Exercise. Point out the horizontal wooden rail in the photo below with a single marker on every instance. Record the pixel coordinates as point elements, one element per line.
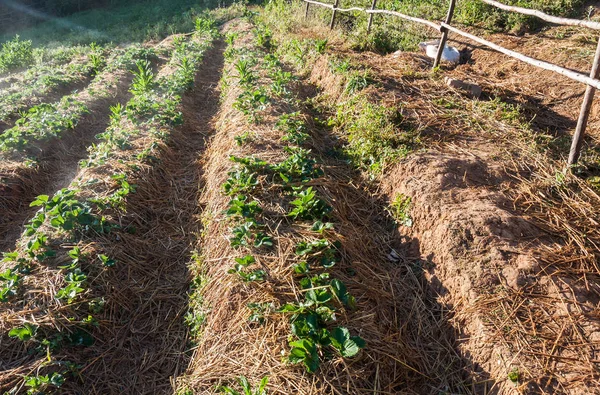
<point>432,25</point>
<point>591,81</point>
<point>534,62</point>
<point>548,18</point>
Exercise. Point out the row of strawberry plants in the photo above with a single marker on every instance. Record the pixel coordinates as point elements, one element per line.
<point>49,120</point>
<point>42,79</point>
<point>74,215</point>
<point>313,314</point>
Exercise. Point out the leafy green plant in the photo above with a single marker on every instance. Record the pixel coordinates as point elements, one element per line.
<point>42,122</point>
<point>259,311</point>
<point>65,212</point>
<point>106,261</point>
<point>358,81</point>
<point>514,375</point>
<point>239,181</point>
<point>25,332</point>
<point>96,58</point>
<point>247,388</point>
<point>263,37</point>
<point>239,207</point>
<point>15,54</point>
<point>9,281</point>
<point>400,209</point>
<point>322,251</point>
<point>308,206</point>
<point>244,70</point>
<point>243,138</point>
<point>241,266</point>
<point>247,234</point>
<point>321,227</point>
<point>321,46</point>
<point>251,163</point>
<point>38,384</point>
<point>348,346</point>
<point>298,166</point>
<point>144,78</point>
<point>204,25</point>
<point>293,127</point>
<point>251,102</point>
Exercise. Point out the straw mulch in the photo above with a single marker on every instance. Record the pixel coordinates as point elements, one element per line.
<point>512,239</point>
<point>409,349</point>
<point>140,342</point>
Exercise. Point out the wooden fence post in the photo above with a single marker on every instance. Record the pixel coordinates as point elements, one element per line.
<point>438,56</point>
<point>335,5</point>
<point>584,113</point>
<point>306,11</point>
<point>371,17</point>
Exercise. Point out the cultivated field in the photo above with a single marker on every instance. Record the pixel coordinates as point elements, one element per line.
<point>241,200</point>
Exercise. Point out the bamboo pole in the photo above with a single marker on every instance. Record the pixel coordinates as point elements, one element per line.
<point>534,62</point>
<point>442,45</point>
<point>335,5</point>
<point>584,113</point>
<point>548,18</point>
<point>371,17</point>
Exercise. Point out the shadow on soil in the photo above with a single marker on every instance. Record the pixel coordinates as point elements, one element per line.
<point>427,358</point>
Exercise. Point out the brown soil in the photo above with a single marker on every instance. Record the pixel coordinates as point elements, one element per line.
<point>522,299</point>
<point>56,165</point>
<point>409,348</point>
<point>141,343</point>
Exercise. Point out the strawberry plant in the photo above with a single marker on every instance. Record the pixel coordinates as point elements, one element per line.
<point>293,128</point>
<point>321,227</point>
<point>247,235</point>
<point>239,181</point>
<point>40,383</point>
<point>250,102</point>
<point>106,261</point>
<point>240,268</point>
<point>258,312</point>
<point>65,212</point>
<point>9,283</point>
<point>42,122</point>
<point>308,206</point>
<point>24,333</point>
<point>247,388</point>
<point>322,251</point>
<point>298,166</point>
<point>239,207</point>
<point>251,163</point>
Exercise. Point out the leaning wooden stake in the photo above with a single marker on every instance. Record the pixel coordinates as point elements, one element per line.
<point>371,17</point>
<point>335,5</point>
<point>585,111</point>
<point>306,11</point>
<point>438,55</point>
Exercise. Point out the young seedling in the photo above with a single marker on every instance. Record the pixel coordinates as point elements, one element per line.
<point>240,268</point>
<point>247,388</point>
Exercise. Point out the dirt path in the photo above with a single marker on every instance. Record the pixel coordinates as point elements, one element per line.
<point>150,285</point>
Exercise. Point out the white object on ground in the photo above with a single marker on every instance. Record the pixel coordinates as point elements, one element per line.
<point>449,54</point>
